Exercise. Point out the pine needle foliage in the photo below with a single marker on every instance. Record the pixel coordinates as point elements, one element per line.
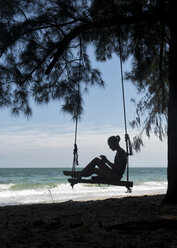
<point>43,49</point>
<point>30,33</point>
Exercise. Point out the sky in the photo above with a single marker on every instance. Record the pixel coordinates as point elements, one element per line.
<point>46,139</point>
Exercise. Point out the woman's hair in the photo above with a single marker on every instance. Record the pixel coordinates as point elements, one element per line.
<point>114,139</point>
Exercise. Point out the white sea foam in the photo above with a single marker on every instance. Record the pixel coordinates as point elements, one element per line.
<point>6,186</point>
<point>64,192</point>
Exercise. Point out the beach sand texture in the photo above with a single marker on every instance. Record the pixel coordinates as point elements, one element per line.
<point>116,222</point>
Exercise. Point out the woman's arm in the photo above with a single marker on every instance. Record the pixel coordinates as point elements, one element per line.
<point>106,161</point>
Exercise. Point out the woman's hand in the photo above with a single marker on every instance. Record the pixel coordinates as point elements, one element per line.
<point>104,158</point>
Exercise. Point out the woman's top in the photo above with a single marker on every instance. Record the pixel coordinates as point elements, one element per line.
<point>120,162</point>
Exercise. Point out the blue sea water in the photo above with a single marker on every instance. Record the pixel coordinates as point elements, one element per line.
<point>46,185</point>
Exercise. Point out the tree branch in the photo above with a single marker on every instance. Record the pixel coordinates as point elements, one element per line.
<point>113,21</point>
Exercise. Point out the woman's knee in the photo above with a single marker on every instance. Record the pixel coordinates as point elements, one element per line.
<point>96,160</point>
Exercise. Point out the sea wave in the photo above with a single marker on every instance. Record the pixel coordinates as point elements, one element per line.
<point>4,187</point>
<point>15,194</point>
<point>26,186</point>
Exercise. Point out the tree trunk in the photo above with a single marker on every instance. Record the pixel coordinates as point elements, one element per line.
<point>171,195</point>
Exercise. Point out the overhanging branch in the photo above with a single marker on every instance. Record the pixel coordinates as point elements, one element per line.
<point>114,21</point>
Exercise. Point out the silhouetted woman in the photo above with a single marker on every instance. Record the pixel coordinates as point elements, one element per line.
<point>102,166</point>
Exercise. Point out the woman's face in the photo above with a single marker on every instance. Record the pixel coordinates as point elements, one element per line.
<point>112,145</point>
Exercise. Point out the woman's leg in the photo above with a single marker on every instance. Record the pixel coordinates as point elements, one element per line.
<point>96,166</point>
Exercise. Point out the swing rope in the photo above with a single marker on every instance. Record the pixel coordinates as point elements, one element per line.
<point>76,113</point>
<point>127,138</point>
<point>75,150</point>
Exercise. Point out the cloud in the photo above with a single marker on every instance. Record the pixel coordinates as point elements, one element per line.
<point>51,144</point>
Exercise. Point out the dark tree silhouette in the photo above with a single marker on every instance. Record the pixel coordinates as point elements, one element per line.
<point>43,49</point>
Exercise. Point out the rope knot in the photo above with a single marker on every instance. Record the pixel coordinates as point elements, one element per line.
<point>75,153</point>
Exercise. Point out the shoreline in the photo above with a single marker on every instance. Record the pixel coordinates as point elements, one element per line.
<point>83,199</point>
<point>132,221</point>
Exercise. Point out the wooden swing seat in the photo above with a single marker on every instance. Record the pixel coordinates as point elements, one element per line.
<point>100,180</point>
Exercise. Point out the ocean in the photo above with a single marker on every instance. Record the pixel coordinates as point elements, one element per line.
<point>48,185</point>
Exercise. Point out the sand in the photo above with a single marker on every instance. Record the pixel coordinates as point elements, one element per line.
<point>117,222</point>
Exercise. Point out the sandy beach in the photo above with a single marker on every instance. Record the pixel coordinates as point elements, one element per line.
<point>116,222</point>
